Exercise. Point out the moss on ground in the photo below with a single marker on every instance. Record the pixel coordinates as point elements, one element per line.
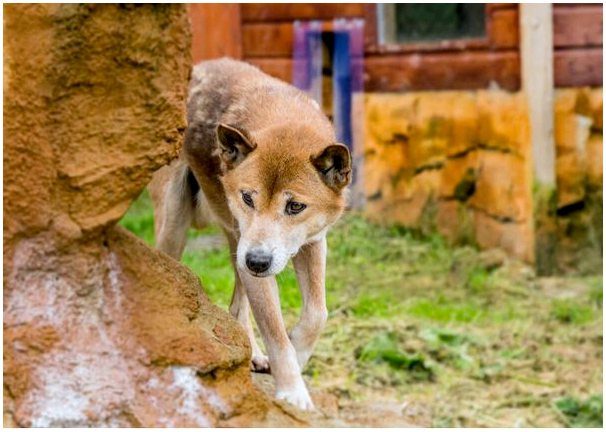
<point>457,337</point>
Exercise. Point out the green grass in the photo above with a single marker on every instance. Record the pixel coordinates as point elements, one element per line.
<point>445,311</point>
<point>572,311</point>
<point>411,317</point>
<point>385,348</point>
<point>140,218</point>
<point>582,413</point>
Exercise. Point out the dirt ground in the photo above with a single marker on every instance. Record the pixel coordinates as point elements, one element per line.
<point>424,334</point>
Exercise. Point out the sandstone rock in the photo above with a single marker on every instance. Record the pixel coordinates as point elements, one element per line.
<point>595,166</point>
<point>570,178</point>
<point>100,330</point>
<point>437,158</point>
<point>455,170</point>
<point>411,201</point>
<point>513,238</point>
<point>463,162</point>
<point>503,123</point>
<point>572,129</point>
<point>465,123</point>
<point>455,221</point>
<point>502,187</point>
<point>595,107</point>
<point>575,245</point>
<point>430,130</point>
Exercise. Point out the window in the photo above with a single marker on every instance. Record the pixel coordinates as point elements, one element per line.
<point>421,23</point>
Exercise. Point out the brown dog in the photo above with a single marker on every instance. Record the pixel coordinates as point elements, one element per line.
<point>261,160</point>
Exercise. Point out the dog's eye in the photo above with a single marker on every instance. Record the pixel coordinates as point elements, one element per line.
<point>293,207</point>
<point>247,198</point>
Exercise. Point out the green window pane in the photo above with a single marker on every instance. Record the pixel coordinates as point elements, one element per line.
<point>438,21</point>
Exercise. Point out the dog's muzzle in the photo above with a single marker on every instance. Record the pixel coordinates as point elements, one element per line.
<point>258,262</point>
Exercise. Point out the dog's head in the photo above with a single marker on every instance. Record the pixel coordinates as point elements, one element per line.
<point>285,186</point>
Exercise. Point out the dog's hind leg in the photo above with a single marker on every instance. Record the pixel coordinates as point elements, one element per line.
<point>240,310</point>
<point>174,206</point>
<point>310,266</point>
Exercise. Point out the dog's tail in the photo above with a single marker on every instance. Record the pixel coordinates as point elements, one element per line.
<point>174,190</point>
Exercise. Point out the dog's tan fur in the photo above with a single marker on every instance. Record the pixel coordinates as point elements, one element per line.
<point>252,137</point>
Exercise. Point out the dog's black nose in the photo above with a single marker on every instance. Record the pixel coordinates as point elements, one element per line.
<point>258,262</point>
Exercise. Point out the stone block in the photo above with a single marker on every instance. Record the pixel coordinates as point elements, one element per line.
<point>595,167</point>
<point>502,187</point>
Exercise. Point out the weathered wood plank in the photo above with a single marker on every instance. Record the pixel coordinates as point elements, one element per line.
<point>496,6</point>
<point>438,71</point>
<point>504,28</point>
<point>577,26</point>
<point>284,11</point>
<point>578,67</point>
<point>280,68</point>
<point>216,31</point>
<point>371,36</point>
<point>267,39</point>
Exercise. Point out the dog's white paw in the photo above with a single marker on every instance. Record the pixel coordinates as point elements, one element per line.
<point>260,363</point>
<point>298,397</point>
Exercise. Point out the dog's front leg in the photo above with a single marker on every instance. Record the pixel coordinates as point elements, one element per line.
<point>263,296</point>
<point>239,309</point>
<point>310,266</point>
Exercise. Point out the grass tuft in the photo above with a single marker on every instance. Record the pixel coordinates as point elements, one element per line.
<point>571,312</point>
<point>582,413</point>
<point>385,348</point>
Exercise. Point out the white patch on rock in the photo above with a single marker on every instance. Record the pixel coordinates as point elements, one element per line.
<point>192,404</point>
<point>114,279</point>
<point>60,403</point>
<point>193,394</point>
<point>187,386</point>
<point>85,379</point>
<point>98,384</point>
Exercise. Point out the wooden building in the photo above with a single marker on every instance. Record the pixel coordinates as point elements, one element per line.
<point>262,34</point>
<point>466,111</point>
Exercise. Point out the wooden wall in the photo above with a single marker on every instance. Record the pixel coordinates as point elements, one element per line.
<point>262,34</point>
<point>215,31</point>
<point>267,36</point>
<point>577,39</point>
<point>454,65</point>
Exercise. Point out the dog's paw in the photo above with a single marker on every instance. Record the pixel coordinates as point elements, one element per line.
<point>260,364</point>
<point>298,397</point>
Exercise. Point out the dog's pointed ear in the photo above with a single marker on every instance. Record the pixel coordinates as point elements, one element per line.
<point>234,144</point>
<point>334,166</point>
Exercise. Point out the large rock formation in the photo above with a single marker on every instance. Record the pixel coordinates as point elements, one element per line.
<point>100,330</point>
